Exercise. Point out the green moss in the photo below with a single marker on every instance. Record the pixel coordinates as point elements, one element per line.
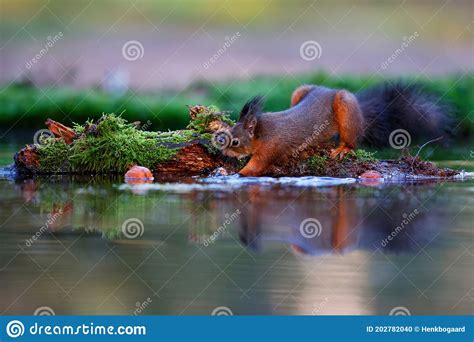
<point>364,156</point>
<point>54,154</point>
<point>205,116</point>
<point>112,146</point>
<point>174,137</point>
<point>317,164</point>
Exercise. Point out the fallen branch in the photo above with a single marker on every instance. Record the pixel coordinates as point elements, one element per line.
<point>110,145</point>
<point>61,131</point>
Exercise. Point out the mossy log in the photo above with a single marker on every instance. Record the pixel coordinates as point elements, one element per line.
<point>111,145</point>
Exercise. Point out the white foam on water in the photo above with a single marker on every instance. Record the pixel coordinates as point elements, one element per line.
<point>231,183</point>
<point>465,175</point>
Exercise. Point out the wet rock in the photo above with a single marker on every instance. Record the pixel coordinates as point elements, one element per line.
<point>371,174</point>
<point>138,175</point>
<point>371,178</point>
<point>220,171</point>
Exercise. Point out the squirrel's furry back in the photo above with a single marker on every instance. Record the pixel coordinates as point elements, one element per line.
<point>399,105</point>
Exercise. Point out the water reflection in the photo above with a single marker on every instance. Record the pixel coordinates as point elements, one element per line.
<point>262,248</point>
<point>311,221</point>
<point>339,219</point>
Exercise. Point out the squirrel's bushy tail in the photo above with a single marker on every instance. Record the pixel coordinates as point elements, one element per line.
<point>392,106</point>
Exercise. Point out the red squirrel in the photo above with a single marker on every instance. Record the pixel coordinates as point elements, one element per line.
<point>318,114</point>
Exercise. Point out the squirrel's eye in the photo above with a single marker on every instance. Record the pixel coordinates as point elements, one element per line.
<point>235,142</point>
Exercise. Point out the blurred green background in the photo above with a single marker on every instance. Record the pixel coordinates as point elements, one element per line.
<point>85,72</point>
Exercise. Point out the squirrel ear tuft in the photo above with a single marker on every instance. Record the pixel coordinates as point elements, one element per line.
<point>253,107</point>
<point>250,123</point>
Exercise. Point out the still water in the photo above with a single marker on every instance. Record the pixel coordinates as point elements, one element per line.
<point>292,246</point>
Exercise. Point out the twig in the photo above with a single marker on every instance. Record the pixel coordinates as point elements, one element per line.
<point>419,150</point>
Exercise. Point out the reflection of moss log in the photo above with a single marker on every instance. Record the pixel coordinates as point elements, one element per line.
<point>111,145</point>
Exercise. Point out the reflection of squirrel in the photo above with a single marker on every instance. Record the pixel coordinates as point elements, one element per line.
<point>317,114</point>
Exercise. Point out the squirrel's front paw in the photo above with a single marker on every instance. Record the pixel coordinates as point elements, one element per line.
<point>341,152</point>
<point>245,173</point>
<point>249,172</point>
